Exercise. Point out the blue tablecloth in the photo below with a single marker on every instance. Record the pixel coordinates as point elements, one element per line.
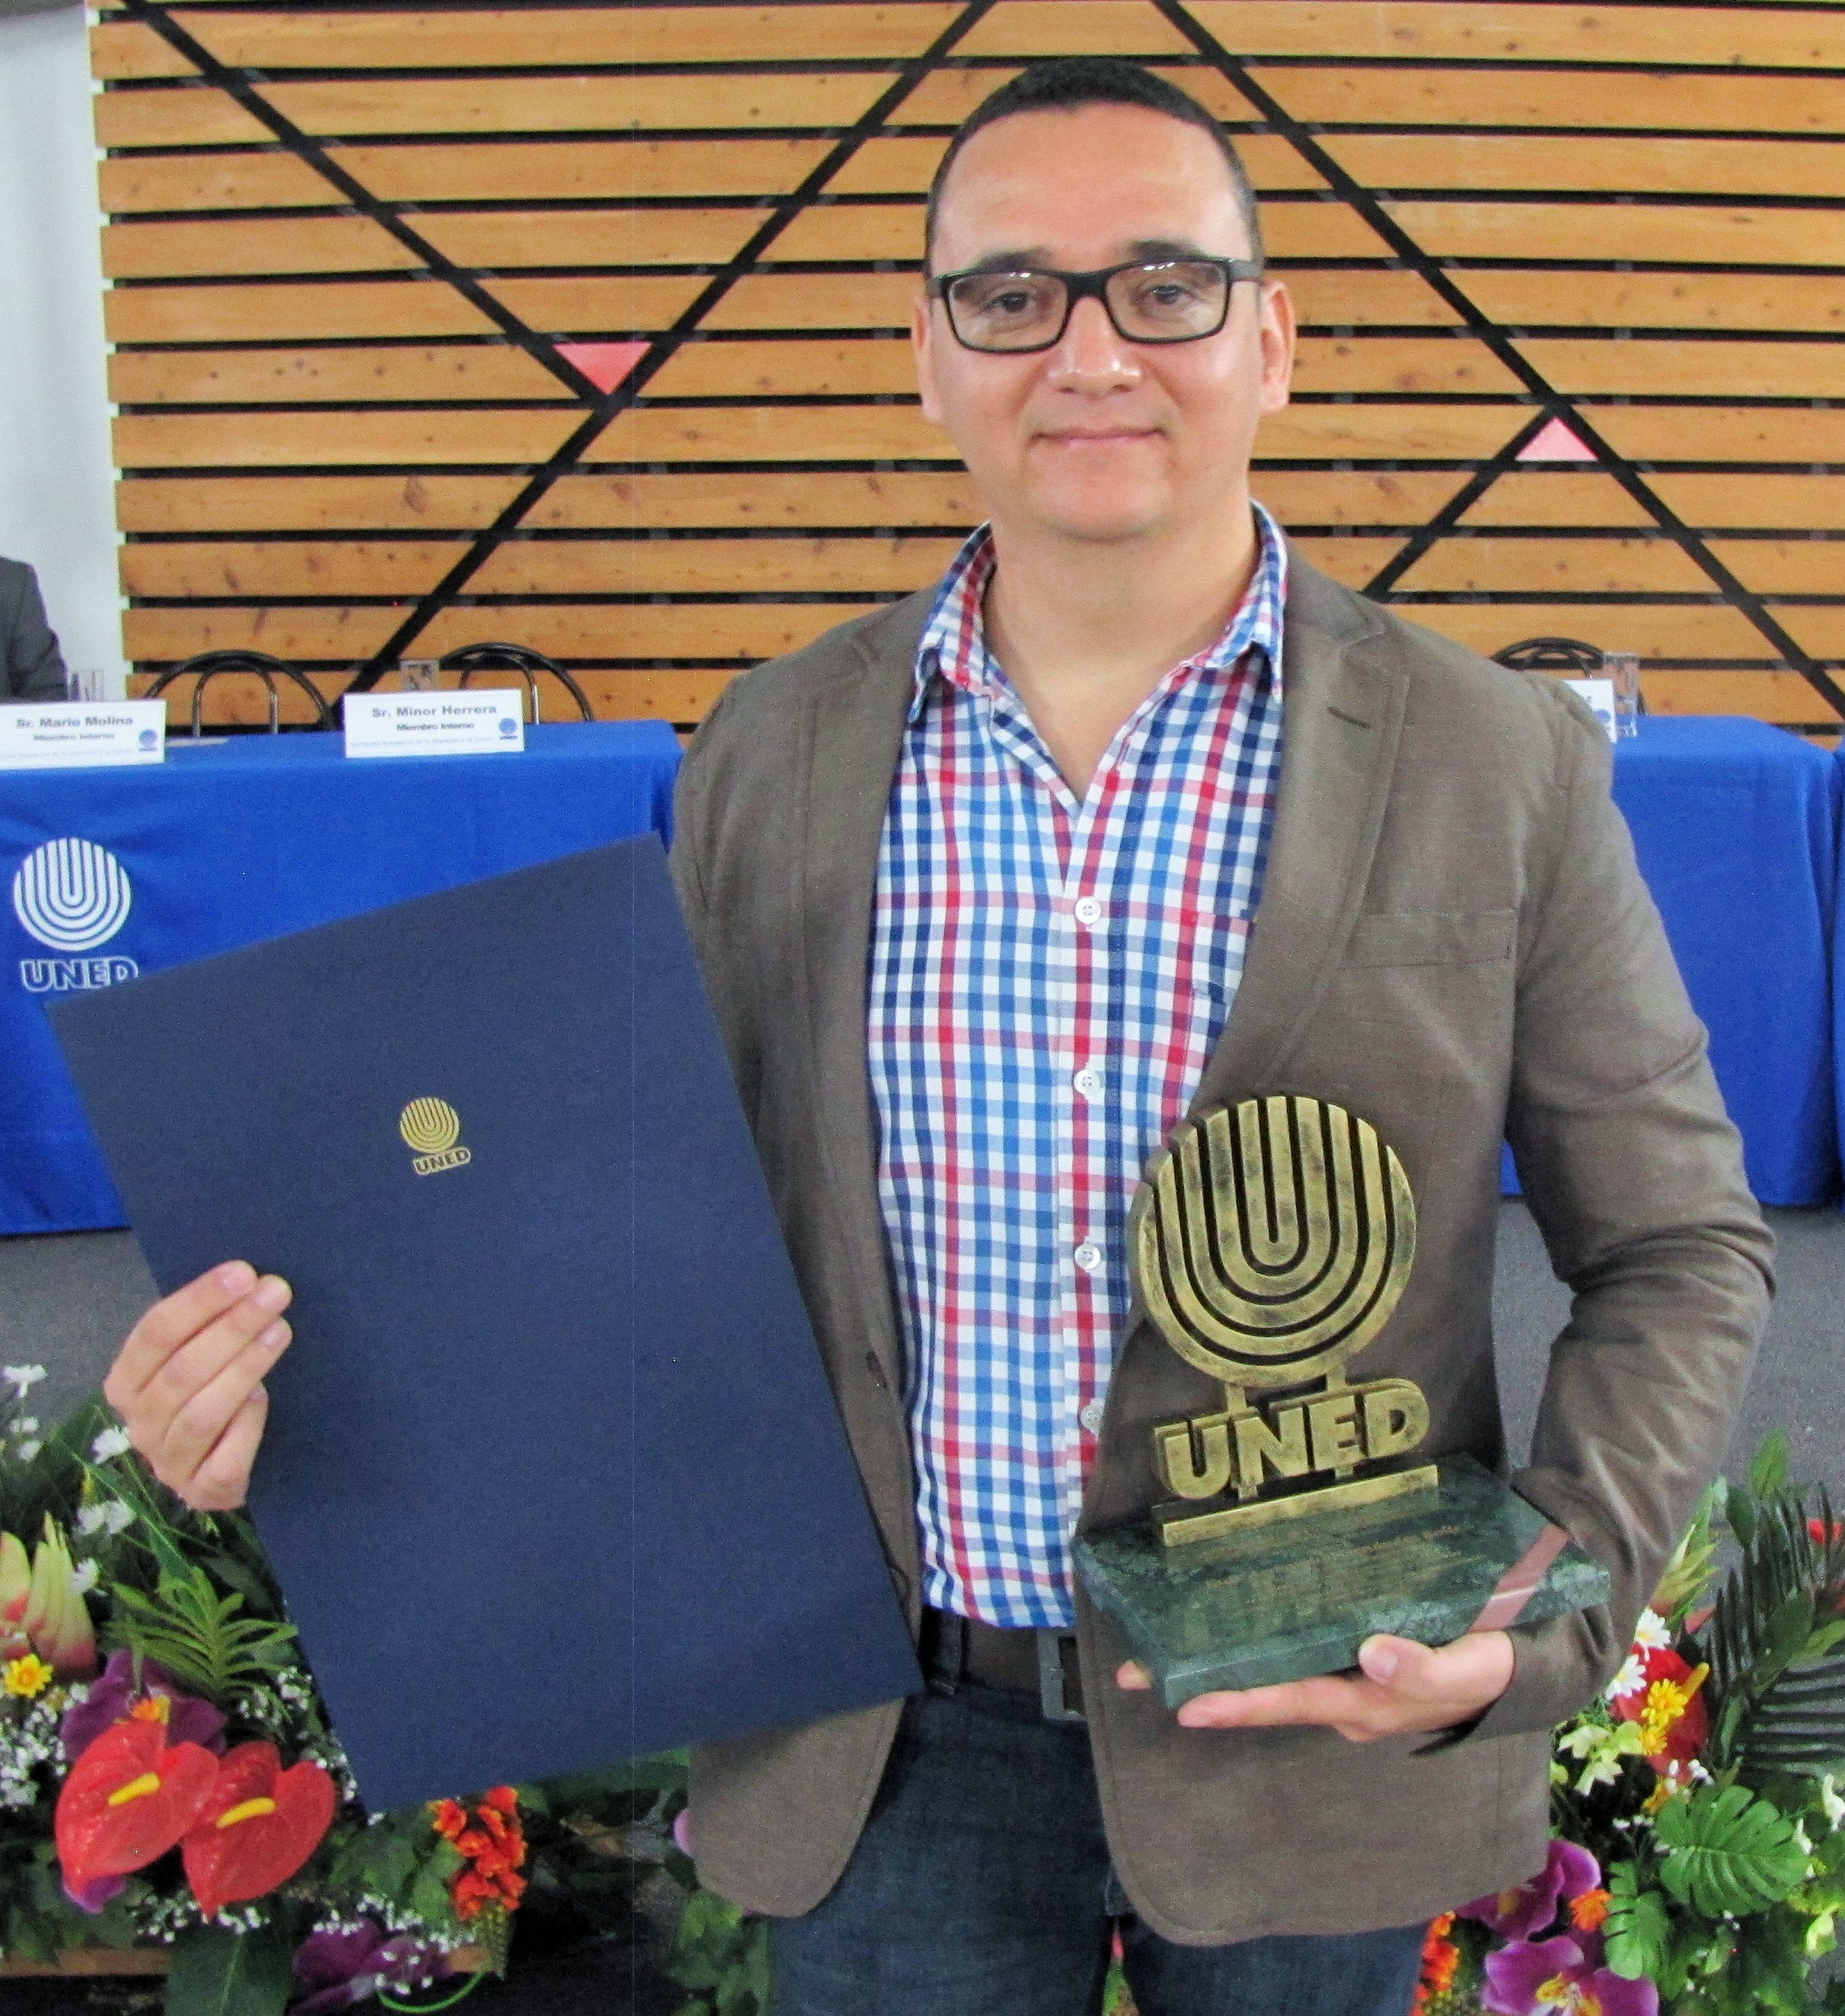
<point>116,872</point>
<point>1736,827</point>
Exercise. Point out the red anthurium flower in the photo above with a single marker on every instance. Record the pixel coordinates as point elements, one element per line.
<point>129,1798</point>
<point>258,1826</point>
<point>1674,1723</point>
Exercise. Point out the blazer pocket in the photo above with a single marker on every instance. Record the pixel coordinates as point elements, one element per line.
<point>1431,937</point>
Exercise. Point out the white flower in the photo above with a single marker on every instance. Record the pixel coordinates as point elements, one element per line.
<point>29,1450</point>
<point>1799,1833</point>
<point>22,1378</point>
<point>83,1578</point>
<point>1830,1803</point>
<point>1629,1679</point>
<point>112,1442</point>
<point>27,1424</point>
<point>111,1517</point>
<point>1650,1634</point>
<point>118,1517</point>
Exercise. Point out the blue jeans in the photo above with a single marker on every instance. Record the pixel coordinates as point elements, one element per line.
<point>982,1887</point>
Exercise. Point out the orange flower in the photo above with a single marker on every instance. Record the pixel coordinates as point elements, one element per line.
<point>1441,1959</point>
<point>1589,1912</point>
<point>493,1843</point>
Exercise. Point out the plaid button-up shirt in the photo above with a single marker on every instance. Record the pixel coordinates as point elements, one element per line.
<point>1047,978</point>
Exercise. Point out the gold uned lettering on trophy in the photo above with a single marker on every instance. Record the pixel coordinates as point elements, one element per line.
<point>1272,1243</point>
<point>1209,1454</point>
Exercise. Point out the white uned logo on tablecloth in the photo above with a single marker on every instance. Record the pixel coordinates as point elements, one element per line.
<point>72,896</point>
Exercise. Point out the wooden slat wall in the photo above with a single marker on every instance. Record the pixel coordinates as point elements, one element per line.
<point>1641,206</point>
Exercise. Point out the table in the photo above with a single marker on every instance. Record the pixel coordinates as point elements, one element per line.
<point>1736,827</point>
<point>120,871</point>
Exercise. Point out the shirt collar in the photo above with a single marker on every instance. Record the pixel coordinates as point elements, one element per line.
<point>953,645</point>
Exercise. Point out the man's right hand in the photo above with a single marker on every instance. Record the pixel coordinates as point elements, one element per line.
<point>188,1382</point>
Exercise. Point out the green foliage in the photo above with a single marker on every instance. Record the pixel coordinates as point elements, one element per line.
<point>221,1973</point>
<point>1638,1928</point>
<point>1777,1640</point>
<point>1767,1474</point>
<point>408,1866</point>
<point>1726,1851</point>
<point>197,1635</point>
<point>723,1957</point>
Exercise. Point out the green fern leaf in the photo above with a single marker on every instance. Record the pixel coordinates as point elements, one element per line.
<point>1727,1851</point>
<point>1777,1651</point>
<point>197,1635</point>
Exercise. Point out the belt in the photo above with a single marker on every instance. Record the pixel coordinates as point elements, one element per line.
<point>1025,1660</point>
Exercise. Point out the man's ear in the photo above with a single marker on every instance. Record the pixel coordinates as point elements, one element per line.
<point>922,327</point>
<point>1277,312</point>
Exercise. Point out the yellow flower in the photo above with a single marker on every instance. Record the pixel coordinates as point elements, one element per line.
<point>1667,1700</point>
<point>27,1678</point>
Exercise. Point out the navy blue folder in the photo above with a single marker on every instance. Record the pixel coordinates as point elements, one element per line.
<point>552,1475</point>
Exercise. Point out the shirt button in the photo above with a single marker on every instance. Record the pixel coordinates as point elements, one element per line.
<point>1090,1417</point>
<point>1089,1257</point>
<point>1088,1082</point>
<point>1088,911</point>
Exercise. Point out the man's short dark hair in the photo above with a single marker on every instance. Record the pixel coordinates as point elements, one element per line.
<point>1063,84</point>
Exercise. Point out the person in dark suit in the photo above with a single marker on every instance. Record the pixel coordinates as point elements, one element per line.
<point>34,667</point>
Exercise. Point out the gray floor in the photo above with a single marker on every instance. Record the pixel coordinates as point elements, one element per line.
<point>66,1303</point>
<point>1797,1385</point>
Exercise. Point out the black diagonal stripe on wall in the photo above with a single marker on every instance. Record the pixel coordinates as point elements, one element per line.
<point>1460,504</point>
<point>1482,325</point>
<point>235,83</point>
<point>609,406</point>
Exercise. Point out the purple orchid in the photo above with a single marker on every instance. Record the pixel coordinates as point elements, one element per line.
<point>1569,1872</point>
<point>112,1697</point>
<point>338,1969</point>
<point>1556,1978</point>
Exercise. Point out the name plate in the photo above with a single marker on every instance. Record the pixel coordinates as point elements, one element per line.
<point>1598,695</point>
<point>70,735</point>
<point>434,724</point>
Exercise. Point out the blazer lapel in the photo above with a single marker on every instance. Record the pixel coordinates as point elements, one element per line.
<point>855,738</point>
<point>1341,714</point>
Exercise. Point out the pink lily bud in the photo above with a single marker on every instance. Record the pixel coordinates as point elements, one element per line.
<point>57,1620</point>
<point>16,1585</point>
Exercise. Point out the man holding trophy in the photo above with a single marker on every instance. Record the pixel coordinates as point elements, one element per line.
<point>1132,952</point>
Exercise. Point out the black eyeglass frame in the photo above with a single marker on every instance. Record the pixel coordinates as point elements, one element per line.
<point>1089,286</point>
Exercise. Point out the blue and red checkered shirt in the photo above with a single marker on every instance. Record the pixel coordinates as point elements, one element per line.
<point>1047,978</point>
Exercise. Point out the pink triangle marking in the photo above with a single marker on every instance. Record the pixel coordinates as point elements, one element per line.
<point>1554,442</point>
<point>605,365</point>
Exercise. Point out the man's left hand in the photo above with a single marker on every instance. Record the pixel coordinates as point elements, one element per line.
<point>1401,1689</point>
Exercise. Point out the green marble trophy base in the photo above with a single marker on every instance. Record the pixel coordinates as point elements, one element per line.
<point>1286,1601</point>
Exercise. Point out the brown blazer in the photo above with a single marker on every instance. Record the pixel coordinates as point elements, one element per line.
<point>1453,941</point>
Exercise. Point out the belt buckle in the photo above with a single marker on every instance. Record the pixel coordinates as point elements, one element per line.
<point>1053,1678</point>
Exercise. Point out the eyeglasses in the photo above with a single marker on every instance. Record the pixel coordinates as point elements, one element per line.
<point>1159,301</point>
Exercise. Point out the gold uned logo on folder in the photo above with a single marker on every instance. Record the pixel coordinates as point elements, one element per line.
<point>431,1128</point>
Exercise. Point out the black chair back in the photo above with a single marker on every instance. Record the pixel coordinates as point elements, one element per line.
<point>472,658</point>
<point>207,666</point>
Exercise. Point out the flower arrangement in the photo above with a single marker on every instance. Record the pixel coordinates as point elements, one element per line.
<point>168,1777</point>
<point>1698,1865</point>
